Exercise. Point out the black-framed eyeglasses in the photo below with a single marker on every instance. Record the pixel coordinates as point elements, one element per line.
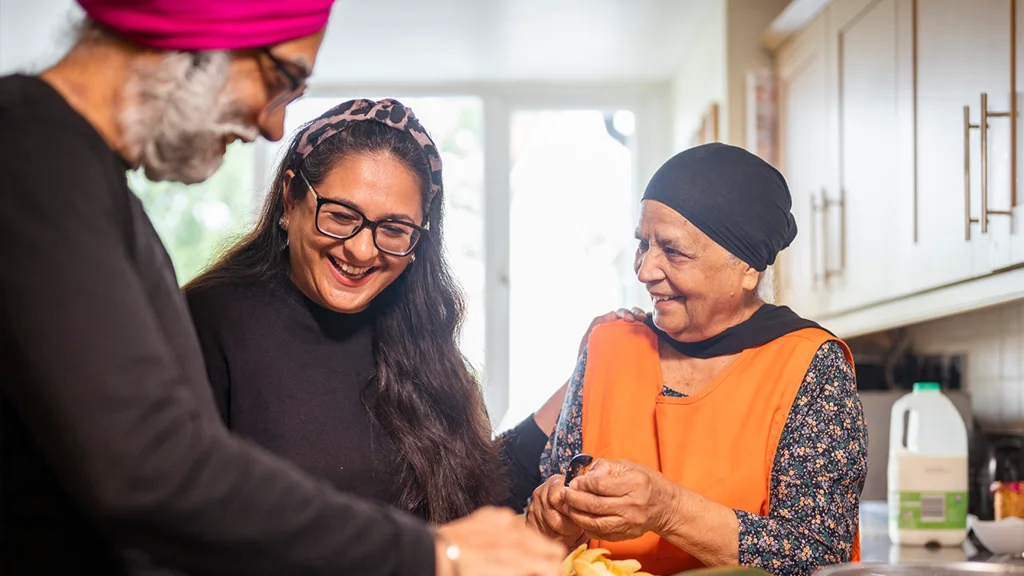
<point>296,83</point>
<point>340,220</point>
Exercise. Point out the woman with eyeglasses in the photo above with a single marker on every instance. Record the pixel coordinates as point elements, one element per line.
<point>330,330</point>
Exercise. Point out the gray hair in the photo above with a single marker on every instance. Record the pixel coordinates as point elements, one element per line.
<point>176,115</point>
<point>765,289</point>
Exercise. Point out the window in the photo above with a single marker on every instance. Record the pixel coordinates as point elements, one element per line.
<point>571,245</point>
<point>197,222</point>
<point>563,203</point>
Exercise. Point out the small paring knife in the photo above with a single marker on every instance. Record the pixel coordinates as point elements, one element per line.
<point>578,465</point>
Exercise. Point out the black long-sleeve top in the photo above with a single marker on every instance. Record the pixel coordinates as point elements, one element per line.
<point>111,439</point>
<point>296,378</point>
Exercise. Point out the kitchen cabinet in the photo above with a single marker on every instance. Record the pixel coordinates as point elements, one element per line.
<point>1017,228</point>
<point>868,242</point>
<point>963,53</point>
<point>804,134</point>
<point>903,170</point>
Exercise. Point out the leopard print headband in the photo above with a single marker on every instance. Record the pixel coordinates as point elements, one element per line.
<point>389,112</point>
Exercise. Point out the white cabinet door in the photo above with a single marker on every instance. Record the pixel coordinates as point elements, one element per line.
<point>1017,231</point>
<point>869,222</point>
<point>963,50</point>
<point>804,135</point>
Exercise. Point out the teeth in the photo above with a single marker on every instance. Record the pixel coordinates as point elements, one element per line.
<point>662,298</point>
<point>351,270</point>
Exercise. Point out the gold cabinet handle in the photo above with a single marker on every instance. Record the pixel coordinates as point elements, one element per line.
<point>826,204</point>
<point>983,127</point>
<point>967,173</point>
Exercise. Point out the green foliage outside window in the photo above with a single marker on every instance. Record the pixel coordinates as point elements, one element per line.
<point>197,222</point>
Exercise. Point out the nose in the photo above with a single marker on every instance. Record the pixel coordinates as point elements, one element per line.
<point>647,270</point>
<point>360,248</point>
<point>271,124</point>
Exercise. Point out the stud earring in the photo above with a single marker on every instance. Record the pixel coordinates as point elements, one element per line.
<point>283,222</point>
<point>412,259</point>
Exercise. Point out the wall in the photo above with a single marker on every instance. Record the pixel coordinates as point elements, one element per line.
<point>992,341</point>
<point>714,68</point>
<point>700,79</point>
<point>23,48</point>
<point>746,20</point>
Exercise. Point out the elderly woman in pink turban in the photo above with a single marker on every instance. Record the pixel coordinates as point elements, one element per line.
<point>114,458</point>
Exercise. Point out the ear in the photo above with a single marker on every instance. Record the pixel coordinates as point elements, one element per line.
<point>750,278</point>
<point>286,188</point>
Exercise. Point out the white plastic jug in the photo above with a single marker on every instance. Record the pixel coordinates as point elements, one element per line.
<point>928,470</point>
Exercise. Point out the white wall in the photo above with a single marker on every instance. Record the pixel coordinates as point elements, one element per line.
<point>34,34</point>
<point>992,341</point>
<point>700,77</point>
<point>714,68</point>
<point>745,21</point>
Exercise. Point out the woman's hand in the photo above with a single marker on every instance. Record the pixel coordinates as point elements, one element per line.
<point>495,542</point>
<point>632,315</point>
<point>619,500</point>
<point>548,513</point>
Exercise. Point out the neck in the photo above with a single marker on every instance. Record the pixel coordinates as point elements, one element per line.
<point>91,78</point>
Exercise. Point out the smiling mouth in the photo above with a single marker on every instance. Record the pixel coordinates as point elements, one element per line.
<point>658,299</point>
<point>353,272</point>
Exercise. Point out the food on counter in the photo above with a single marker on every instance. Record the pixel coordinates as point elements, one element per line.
<point>593,562</point>
<point>1009,499</point>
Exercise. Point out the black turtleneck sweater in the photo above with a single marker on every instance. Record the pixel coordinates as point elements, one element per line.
<point>294,377</point>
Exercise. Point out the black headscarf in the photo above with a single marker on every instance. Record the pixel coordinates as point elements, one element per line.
<point>737,199</point>
<point>743,204</point>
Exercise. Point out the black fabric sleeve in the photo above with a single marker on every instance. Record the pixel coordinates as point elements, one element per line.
<point>203,312</point>
<point>107,406</point>
<point>521,448</point>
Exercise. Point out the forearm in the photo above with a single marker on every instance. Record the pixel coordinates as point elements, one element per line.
<point>547,415</point>
<point>520,449</point>
<point>703,528</point>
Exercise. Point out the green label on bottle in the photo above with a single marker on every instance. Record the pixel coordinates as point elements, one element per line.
<point>932,510</point>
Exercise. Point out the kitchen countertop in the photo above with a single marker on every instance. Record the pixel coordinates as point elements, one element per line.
<point>877,548</point>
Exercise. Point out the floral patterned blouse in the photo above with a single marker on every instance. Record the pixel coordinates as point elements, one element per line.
<point>817,477</point>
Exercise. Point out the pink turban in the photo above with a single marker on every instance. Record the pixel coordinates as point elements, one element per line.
<point>189,25</point>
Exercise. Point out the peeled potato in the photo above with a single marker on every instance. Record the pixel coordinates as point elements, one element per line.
<point>567,563</point>
<point>594,562</point>
<point>627,566</point>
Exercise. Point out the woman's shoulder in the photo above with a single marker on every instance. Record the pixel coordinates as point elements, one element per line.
<point>229,302</point>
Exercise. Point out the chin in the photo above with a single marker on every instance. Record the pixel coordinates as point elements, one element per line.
<point>671,322</point>
<point>197,169</point>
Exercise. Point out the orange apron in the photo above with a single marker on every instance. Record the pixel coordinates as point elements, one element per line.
<point>719,442</point>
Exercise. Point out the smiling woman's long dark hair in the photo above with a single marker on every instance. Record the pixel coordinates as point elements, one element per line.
<point>427,399</point>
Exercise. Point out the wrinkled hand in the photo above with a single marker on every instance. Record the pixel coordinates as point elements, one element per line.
<point>632,315</point>
<point>619,500</point>
<point>548,513</point>
<point>495,542</point>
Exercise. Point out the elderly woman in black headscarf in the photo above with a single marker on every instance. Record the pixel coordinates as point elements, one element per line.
<point>725,430</point>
